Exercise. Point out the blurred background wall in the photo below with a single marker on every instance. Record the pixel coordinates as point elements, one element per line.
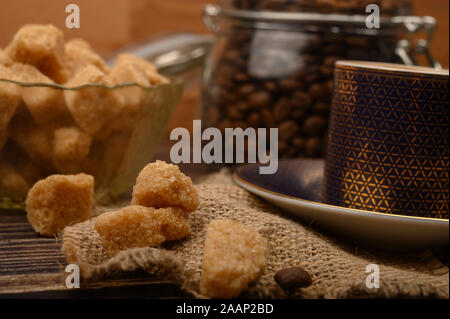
<point>110,24</point>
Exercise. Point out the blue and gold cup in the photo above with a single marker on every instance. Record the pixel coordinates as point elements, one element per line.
<point>388,148</point>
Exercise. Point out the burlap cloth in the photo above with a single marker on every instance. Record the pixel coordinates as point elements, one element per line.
<point>337,269</point>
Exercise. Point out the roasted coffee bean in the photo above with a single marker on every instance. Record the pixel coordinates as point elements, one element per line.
<point>270,86</point>
<point>357,54</point>
<point>268,118</point>
<point>241,124</point>
<point>299,143</point>
<point>288,129</point>
<point>254,120</point>
<point>282,147</point>
<point>289,85</point>
<point>293,278</point>
<point>246,89</point>
<point>313,147</point>
<point>334,49</point>
<point>233,112</point>
<point>322,108</point>
<point>242,107</point>
<point>260,99</point>
<point>311,78</point>
<point>282,110</point>
<point>315,125</point>
<point>224,75</point>
<point>319,91</point>
<point>299,114</point>
<point>330,61</point>
<point>326,70</point>
<point>226,123</point>
<point>301,100</point>
<point>241,77</point>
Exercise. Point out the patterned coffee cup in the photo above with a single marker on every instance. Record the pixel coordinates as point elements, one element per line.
<point>388,148</point>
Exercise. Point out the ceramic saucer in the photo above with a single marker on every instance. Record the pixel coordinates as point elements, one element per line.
<point>296,188</point>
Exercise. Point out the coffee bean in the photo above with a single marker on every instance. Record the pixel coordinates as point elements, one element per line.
<point>241,77</point>
<point>254,120</point>
<point>301,99</point>
<point>282,147</point>
<point>288,129</point>
<point>318,91</point>
<point>271,86</point>
<point>226,123</point>
<point>246,89</point>
<point>242,107</point>
<point>315,125</point>
<point>260,99</point>
<point>267,118</point>
<point>240,124</point>
<point>313,147</point>
<point>322,108</point>
<point>282,110</point>
<point>224,75</point>
<point>234,113</point>
<point>326,70</point>
<point>312,78</point>
<point>299,143</point>
<point>293,278</point>
<point>289,85</point>
<point>330,61</point>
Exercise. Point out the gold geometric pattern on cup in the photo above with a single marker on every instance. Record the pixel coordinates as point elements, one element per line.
<point>382,158</point>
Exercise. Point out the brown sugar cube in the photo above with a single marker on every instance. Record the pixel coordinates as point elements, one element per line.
<point>44,103</point>
<point>144,66</point>
<point>11,181</point>
<point>141,64</point>
<point>174,223</point>
<point>233,257</point>
<point>34,140</point>
<point>156,78</point>
<point>139,226</point>
<point>4,58</point>
<point>79,55</point>
<point>79,42</point>
<point>58,201</point>
<point>3,137</point>
<point>41,46</point>
<point>9,101</point>
<point>132,95</point>
<point>70,147</point>
<point>21,162</point>
<point>94,163</point>
<point>92,108</point>
<point>161,185</point>
<point>114,148</point>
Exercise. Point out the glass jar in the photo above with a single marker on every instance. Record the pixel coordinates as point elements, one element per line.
<point>275,69</point>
